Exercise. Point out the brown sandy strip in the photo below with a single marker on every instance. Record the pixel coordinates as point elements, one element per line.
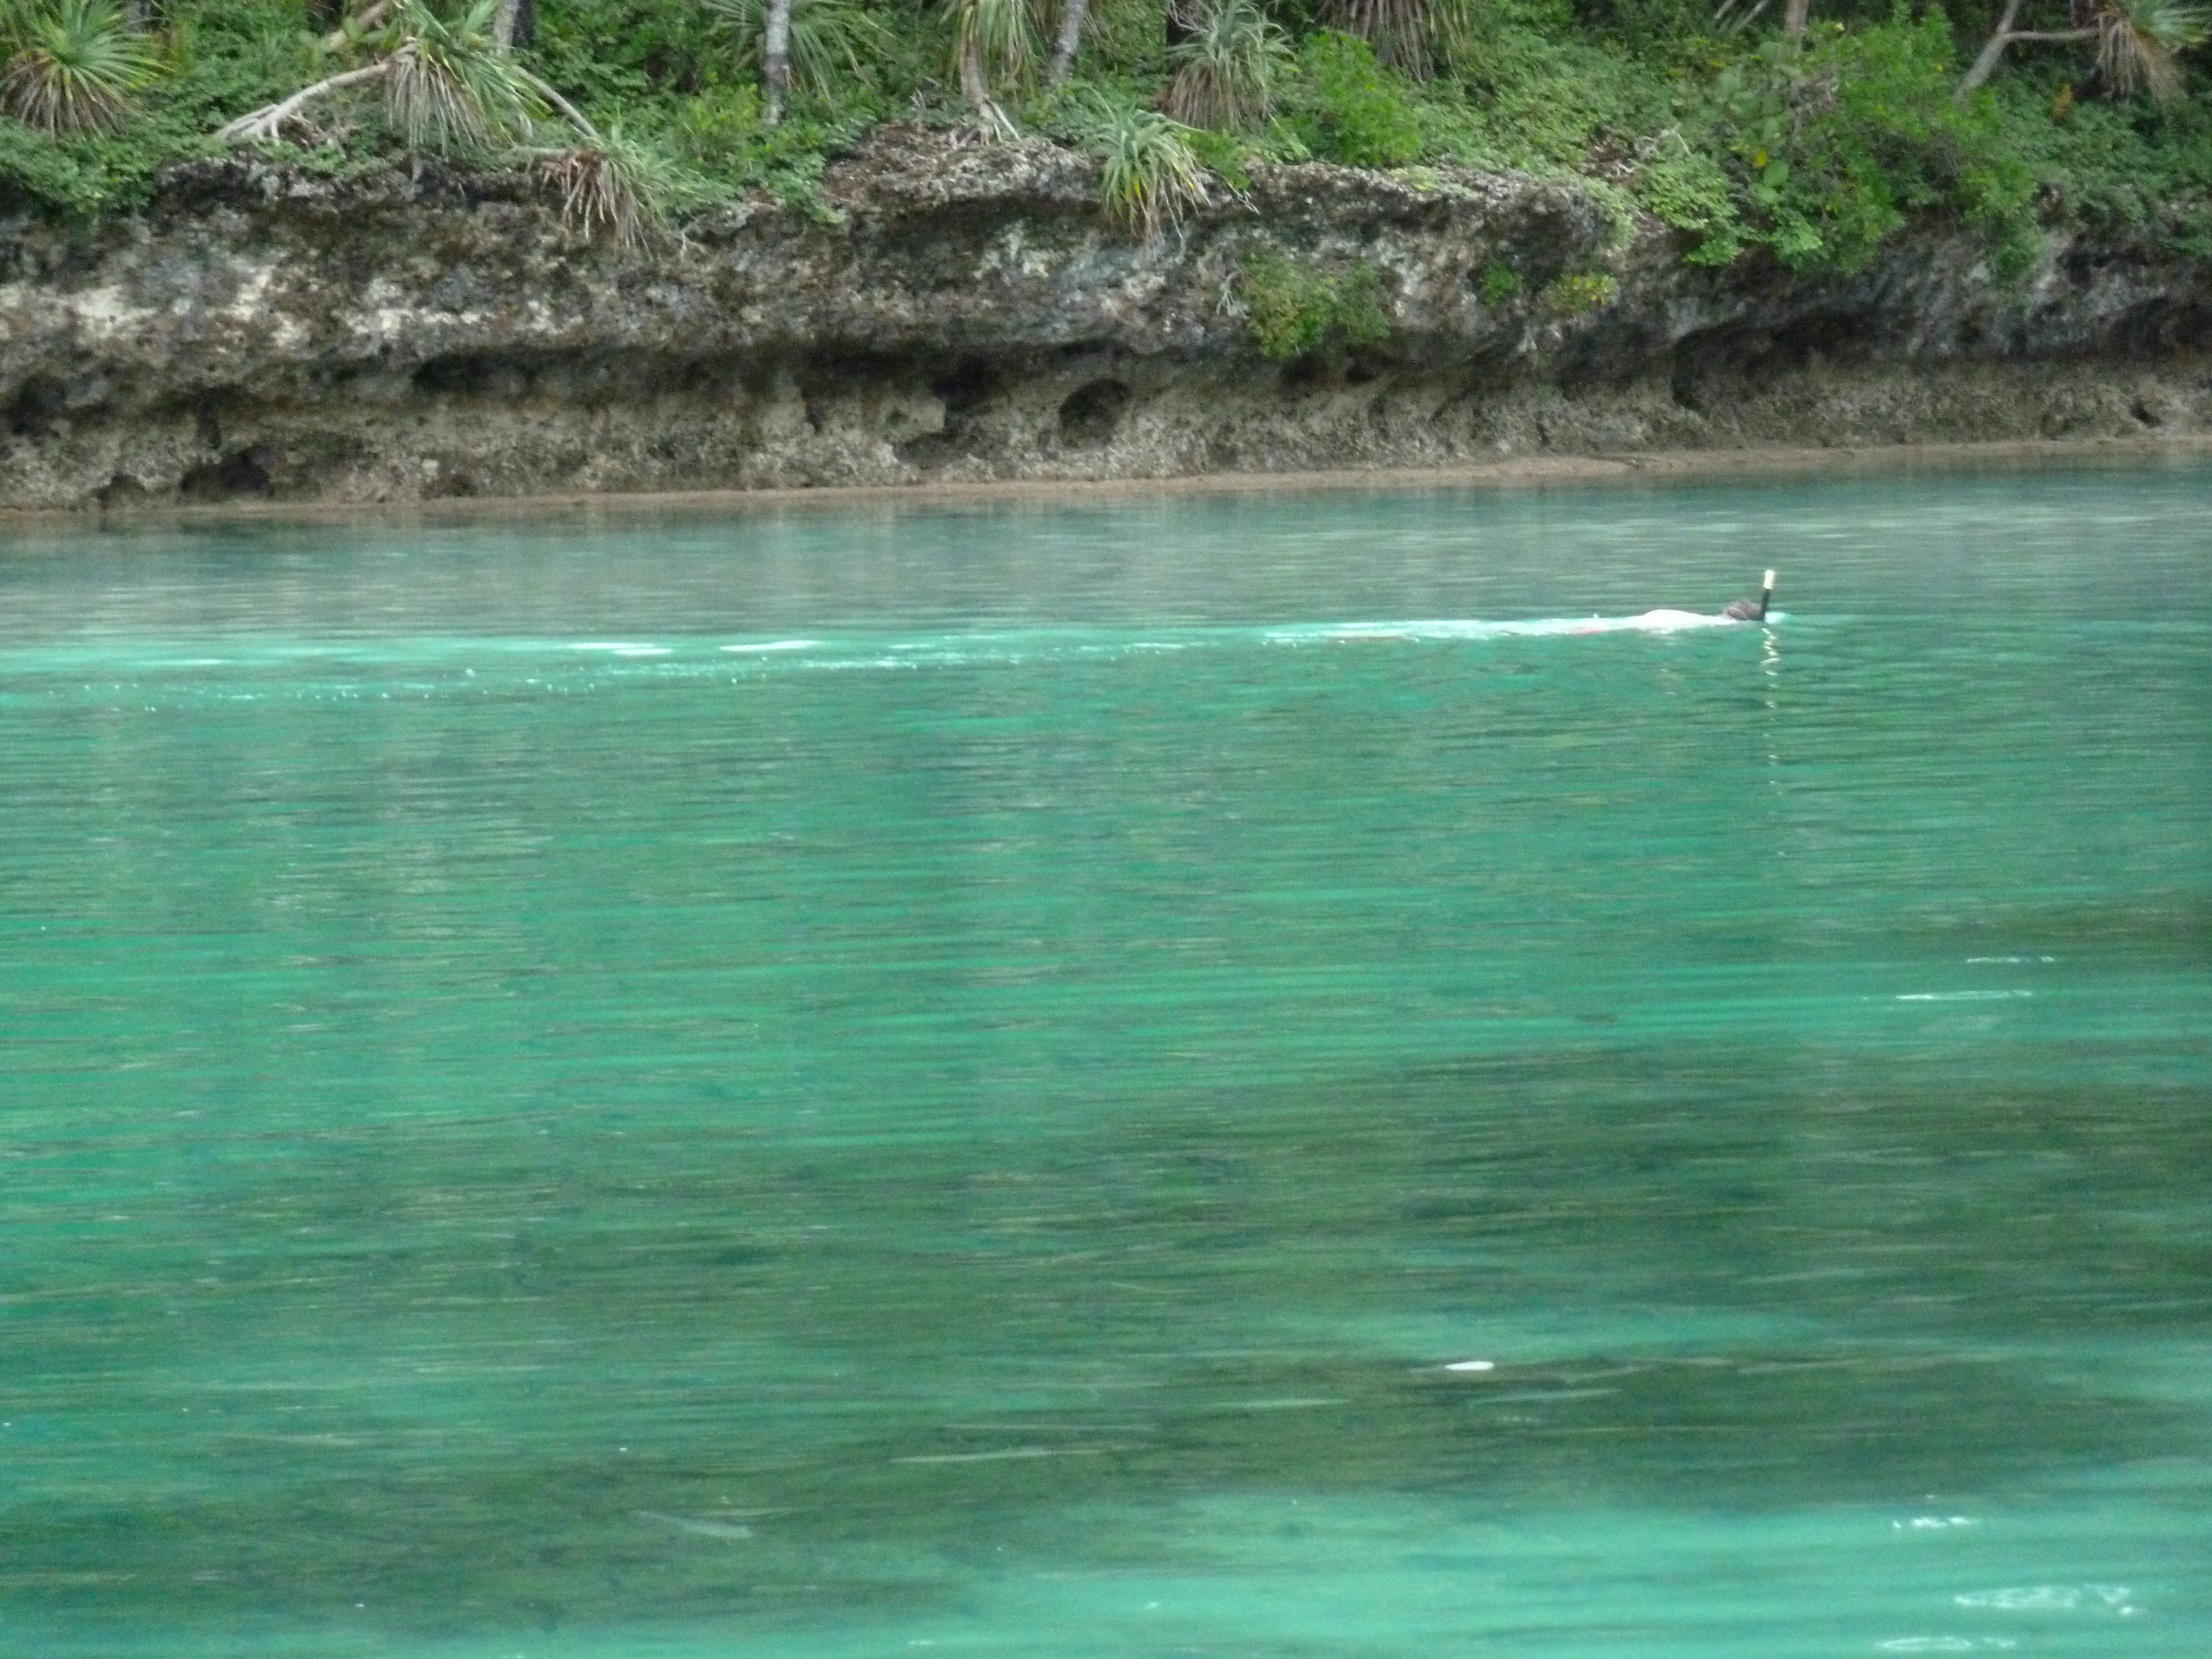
<point>1530,472</point>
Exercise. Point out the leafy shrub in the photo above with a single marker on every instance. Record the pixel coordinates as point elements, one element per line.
<point>1692,192</point>
<point>605,53</point>
<point>719,131</point>
<point>717,143</point>
<point>1347,108</point>
<point>1578,292</point>
<point>1832,148</point>
<point>1497,283</point>
<point>1295,310</point>
<point>1541,99</point>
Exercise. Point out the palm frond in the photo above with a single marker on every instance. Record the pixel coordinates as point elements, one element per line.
<point>2138,42</point>
<point>76,66</point>
<point>1150,178</point>
<point>999,36</point>
<point>449,86</point>
<point>611,186</point>
<point>1226,68</point>
<point>831,40</point>
<point>1418,37</point>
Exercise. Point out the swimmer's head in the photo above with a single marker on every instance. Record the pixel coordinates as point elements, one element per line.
<point>1752,610</point>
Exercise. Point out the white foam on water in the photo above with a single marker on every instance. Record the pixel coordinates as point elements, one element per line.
<point>1012,1453</point>
<point>1648,621</point>
<point>2051,1598</point>
<point>698,1527</point>
<point>771,644</point>
<point>1962,996</point>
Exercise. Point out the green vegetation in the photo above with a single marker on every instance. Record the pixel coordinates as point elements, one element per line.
<point>1226,73</point>
<point>1149,177</point>
<point>1577,292</point>
<point>1297,310</point>
<point>1497,283</point>
<point>74,67</point>
<point>1810,139</point>
<point>1348,109</point>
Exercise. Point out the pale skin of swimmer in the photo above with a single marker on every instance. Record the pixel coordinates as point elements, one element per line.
<point>1734,610</point>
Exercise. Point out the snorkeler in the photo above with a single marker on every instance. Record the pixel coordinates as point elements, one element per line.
<point>1752,610</point>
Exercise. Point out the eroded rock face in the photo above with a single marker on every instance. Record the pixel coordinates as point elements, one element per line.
<point>260,332</point>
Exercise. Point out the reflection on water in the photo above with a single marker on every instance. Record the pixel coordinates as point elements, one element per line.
<point>1017,1082</point>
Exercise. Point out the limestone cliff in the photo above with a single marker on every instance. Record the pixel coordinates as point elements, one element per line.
<point>964,312</point>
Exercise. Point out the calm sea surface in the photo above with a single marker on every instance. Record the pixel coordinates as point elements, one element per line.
<point>1126,1081</point>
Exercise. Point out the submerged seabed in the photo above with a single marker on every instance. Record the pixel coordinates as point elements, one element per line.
<point>980,1080</point>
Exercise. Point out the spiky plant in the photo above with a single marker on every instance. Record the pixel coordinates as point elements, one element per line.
<point>609,186</point>
<point>2137,41</point>
<point>447,85</point>
<point>74,65</point>
<point>994,45</point>
<point>1227,67</point>
<point>1150,178</point>
<point>830,39</point>
<point>1417,36</point>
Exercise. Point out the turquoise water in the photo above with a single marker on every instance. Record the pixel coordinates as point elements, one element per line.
<point>956,1080</point>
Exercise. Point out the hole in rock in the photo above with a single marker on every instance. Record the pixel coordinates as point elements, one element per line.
<point>31,412</point>
<point>968,387</point>
<point>245,472</point>
<point>471,375</point>
<point>122,490</point>
<point>1090,414</point>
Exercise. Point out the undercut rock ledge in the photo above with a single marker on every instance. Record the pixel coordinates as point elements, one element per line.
<point>965,314</point>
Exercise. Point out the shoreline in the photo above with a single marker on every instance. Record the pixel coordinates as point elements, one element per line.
<point>1529,471</point>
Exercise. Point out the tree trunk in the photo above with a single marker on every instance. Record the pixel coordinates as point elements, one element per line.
<point>975,87</point>
<point>1072,16</point>
<point>502,25</point>
<point>775,57</point>
<point>1986,64</point>
<point>268,122</point>
<point>1795,16</point>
